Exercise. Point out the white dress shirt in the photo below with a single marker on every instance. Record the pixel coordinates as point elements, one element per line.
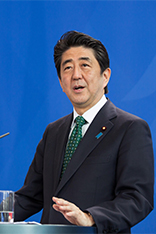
<point>89,115</point>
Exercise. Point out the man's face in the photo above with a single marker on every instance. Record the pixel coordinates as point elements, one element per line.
<point>81,78</point>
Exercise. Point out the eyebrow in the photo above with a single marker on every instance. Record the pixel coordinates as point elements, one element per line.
<point>66,61</point>
<point>81,58</point>
<point>85,58</point>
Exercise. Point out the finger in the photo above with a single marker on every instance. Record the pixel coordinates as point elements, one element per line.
<point>62,208</point>
<point>56,207</point>
<point>60,201</point>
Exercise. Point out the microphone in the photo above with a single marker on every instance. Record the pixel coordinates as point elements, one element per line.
<point>6,134</point>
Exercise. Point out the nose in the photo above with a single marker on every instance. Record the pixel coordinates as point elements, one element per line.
<point>77,74</point>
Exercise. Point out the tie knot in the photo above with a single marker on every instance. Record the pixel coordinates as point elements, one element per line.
<point>80,121</point>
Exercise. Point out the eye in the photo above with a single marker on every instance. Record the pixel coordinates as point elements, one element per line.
<point>85,65</point>
<point>67,68</point>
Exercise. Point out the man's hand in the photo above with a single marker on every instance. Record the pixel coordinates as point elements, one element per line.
<point>72,213</point>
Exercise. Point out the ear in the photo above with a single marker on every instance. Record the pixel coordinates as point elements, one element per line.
<point>106,75</point>
<point>61,84</point>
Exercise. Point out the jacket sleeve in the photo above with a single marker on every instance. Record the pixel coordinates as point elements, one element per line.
<point>29,199</point>
<point>133,199</point>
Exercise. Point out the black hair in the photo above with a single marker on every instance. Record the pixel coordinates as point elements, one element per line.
<point>74,39</point>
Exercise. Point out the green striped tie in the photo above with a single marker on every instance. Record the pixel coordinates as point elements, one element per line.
<point>73,142</point>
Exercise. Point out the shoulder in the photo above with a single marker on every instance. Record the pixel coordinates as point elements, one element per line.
<point>130,119</point>
<point>53,128</point>
<point>59,122</point>
<point>125,120</point>
<point>123,115</point>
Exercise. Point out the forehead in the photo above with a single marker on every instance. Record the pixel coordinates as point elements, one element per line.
<point>78,52</point>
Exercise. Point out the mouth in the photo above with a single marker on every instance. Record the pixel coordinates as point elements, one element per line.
<point>78,87</point>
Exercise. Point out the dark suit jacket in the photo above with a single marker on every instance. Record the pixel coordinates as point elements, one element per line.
<point>110,176</point>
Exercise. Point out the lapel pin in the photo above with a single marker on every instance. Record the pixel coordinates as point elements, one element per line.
<point>104,128</point>
<point>100,133</point>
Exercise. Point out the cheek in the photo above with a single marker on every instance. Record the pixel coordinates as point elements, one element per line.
<point>89,79</point>
<point>97,85</point>
<point>93,80</point>
<point>65,85</point>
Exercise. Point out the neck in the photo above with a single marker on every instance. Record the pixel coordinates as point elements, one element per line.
<point>81,110</point>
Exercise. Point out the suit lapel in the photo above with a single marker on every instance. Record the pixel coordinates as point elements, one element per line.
<point>90,141</point>
<point>61,140</point>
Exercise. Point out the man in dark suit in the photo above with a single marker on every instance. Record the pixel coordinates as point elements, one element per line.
<point>108,182</point>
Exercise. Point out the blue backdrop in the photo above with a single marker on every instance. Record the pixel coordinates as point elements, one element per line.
<point>30,95</point>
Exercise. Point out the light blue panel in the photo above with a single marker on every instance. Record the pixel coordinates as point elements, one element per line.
<point>30,95</point>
